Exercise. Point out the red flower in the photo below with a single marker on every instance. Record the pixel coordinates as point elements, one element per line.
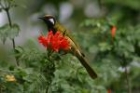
<point>55,42</point>
<point>109,91</point>
<point>113,31</point>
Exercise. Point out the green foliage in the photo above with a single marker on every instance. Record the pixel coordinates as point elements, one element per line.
<point>7,32</point>
<point>120,51</point>
<point>132,4</point>
<point>4,32</point>
<point>14,31</point>
<point>41,71</point>
<point>7,4</point>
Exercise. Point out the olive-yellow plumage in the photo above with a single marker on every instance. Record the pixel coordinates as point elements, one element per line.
<point>54,26</point>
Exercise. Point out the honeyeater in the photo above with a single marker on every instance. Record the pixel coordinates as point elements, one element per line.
<point>54,26</point>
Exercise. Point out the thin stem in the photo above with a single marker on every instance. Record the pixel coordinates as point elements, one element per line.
<point>124,64</point>
<point>13,40</point>
<point>100,4</point>
<point>127,80</point>
<point>49,72</point>
<point>0,89</point>
<point>8,16</point>
<point>2,7</point>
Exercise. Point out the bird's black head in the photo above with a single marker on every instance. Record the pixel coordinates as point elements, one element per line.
<point>49,20</point>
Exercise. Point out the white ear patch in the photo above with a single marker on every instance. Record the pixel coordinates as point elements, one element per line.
<point>51,20</point>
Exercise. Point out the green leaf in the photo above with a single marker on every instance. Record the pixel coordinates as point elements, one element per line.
<point>4,31</point>
<point>14,31</point>
<point>104,46</point>
<point>8,32</point>
<point>93,49</point>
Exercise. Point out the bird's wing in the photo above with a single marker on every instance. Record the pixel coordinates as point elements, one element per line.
<point>69,37</point>
<point>75,50</point>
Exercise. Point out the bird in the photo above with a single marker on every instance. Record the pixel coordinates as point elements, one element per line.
<point>54,26</point>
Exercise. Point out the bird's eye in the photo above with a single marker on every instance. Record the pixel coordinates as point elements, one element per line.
<point>51,20</point>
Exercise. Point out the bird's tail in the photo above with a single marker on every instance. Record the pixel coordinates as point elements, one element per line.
<point>90,71</point>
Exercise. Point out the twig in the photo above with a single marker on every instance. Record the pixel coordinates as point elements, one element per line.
<point>6,8</point>
<point>127,80</point>
<point>10,24</point>
<point>124,64</point>
<point>0,88</point>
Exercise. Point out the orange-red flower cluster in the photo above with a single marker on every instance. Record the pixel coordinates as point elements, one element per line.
<point>113,31</point>
<point>109,91</point>
<point>55,42</point>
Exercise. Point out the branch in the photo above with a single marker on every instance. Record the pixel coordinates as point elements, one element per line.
<point>127,80</point>
<point>10,23</point>
<point>126,74</point>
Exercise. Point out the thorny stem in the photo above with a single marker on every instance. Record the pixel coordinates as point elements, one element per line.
<point>13,40</point>
<point>124,64</point>
<point>100,4</point>
<point>127,80</point>
<point>49,71</point>
<point>0,89</point>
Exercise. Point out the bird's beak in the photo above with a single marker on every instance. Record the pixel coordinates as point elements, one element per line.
<point>42,18</point>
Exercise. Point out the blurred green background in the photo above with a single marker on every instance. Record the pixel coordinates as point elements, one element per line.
<point>115,59</point>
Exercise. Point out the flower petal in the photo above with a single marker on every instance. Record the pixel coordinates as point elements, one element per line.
<point>55,41</point>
